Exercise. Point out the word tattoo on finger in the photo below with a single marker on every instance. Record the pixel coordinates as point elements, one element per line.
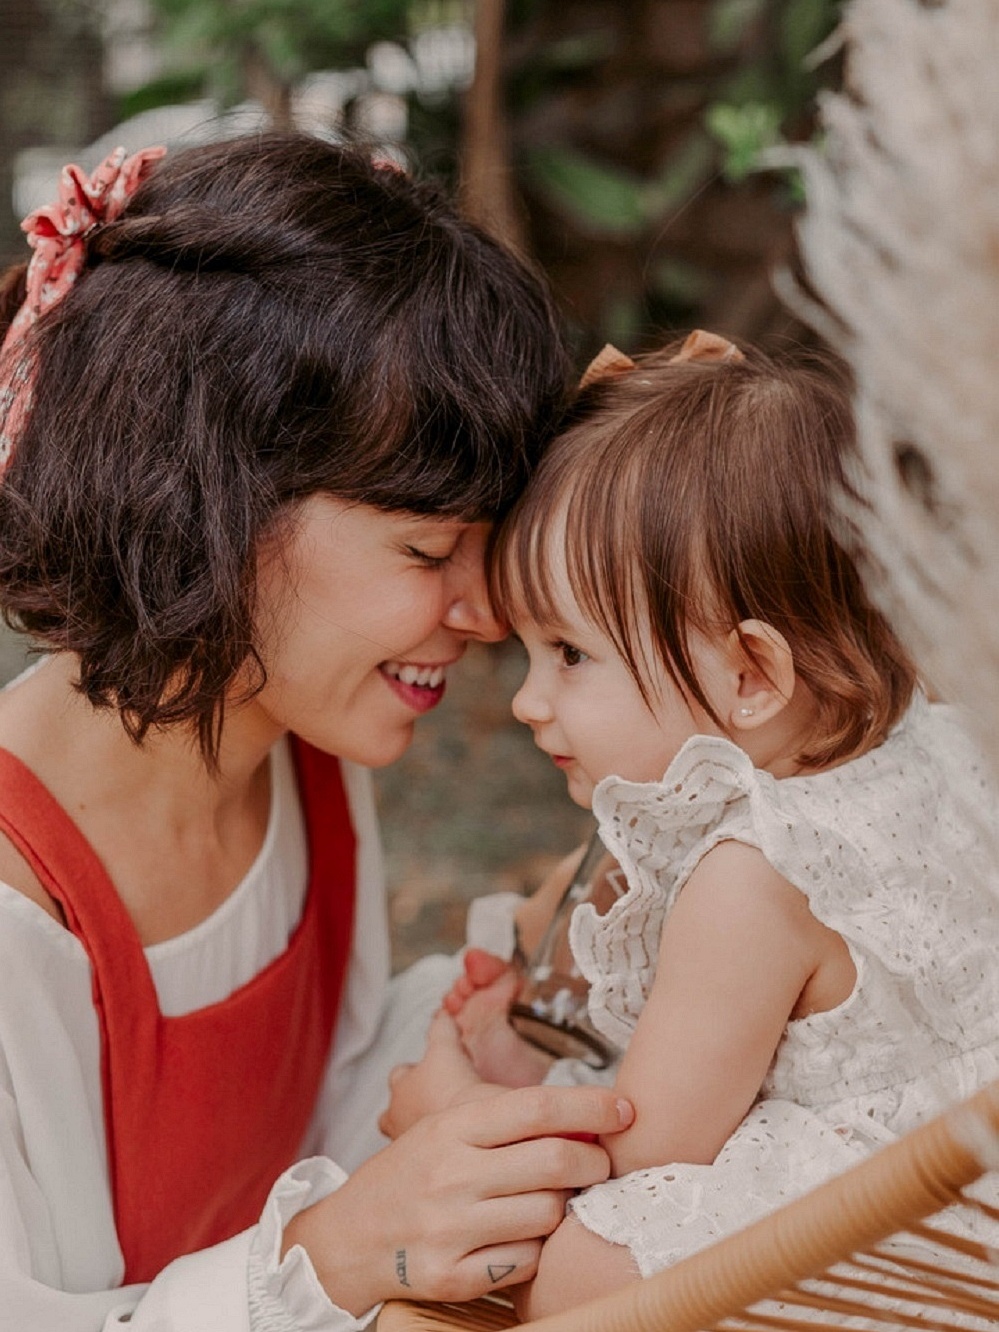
<point>400,1267</point>
<point>497,1271</point>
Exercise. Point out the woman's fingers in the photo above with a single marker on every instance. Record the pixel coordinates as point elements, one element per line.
<point>478,1273</point>
<point>541,1166</point>
<point>457,1205</point>
<point>541,1112</point>
<point>501,1265</point>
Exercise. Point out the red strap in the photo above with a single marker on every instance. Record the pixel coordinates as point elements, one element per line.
<point>202,1111</point>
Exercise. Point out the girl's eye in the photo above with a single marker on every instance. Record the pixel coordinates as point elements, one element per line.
<point>427,560</point>
<point>571,656</point>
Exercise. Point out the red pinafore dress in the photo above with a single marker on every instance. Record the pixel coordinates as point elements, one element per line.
<point>203,1111</point>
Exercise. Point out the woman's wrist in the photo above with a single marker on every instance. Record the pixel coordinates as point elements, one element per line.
<point>336,1267</point>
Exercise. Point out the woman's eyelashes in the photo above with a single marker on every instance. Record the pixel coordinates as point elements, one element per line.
<point>428,560</point>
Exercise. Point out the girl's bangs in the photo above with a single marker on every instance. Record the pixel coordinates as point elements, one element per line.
<point>578,514</point>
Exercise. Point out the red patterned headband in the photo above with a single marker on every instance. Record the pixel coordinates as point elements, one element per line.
<point>57,234</point>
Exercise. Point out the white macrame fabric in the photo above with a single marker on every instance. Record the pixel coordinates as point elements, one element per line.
<point>900,244</point>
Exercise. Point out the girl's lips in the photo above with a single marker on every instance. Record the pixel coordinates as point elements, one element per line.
<point>419,687</point>
<point>561,760</point>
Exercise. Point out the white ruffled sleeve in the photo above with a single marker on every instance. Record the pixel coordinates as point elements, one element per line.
<point>285,1294</point>
<point>657,832</point>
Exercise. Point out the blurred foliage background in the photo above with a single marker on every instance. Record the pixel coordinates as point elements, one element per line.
<point>622,143</point>
<point>627,146</point>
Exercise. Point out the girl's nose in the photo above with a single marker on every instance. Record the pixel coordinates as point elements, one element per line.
<point>469,611</point>
<point>529,705</point>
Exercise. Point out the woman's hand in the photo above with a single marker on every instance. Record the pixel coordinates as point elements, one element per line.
<point>460,1203</point>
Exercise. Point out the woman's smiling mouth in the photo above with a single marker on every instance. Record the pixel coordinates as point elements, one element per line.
<point>419,687</point>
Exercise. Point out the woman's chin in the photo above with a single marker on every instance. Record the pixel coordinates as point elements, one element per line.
<point>379,751</point>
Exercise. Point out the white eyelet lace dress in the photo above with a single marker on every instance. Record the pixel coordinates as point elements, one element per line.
<point>892,851</point>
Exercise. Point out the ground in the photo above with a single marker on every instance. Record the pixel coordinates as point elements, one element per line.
<point>472,808</point>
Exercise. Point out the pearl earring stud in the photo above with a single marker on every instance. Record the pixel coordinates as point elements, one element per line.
<point>746,712</point>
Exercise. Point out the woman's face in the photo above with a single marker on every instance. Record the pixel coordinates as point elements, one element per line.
<point>360,613</point>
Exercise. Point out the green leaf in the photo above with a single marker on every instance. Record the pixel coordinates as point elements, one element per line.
<point>679,281</point>
<point>803,25</point>
<point>169,90</point>
<point>685,172</point>
<point>607,201</point>
<point>579,52</point>
<point>744,132</point>
<point>600,199</point>
<point>730,20</point>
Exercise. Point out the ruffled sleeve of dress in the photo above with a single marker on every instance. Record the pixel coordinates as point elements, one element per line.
<point>657,832</point>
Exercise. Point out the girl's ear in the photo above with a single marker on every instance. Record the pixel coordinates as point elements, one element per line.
<point>761,675</point>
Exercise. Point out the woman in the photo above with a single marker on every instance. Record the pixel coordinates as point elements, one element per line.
<point>261,402</point>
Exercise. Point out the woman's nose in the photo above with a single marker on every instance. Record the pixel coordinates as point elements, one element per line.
<point>469,610</point>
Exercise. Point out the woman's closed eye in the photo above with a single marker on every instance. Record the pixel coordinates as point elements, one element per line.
<point>429,559</point>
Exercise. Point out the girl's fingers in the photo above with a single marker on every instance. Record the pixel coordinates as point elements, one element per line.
<point>458,995</point>
<point>483,968</point>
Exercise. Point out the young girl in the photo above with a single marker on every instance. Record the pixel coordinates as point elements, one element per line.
<point>802,965</point>
<point>260,400</point>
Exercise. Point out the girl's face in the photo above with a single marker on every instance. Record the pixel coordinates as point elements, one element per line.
<point>360,613</point>
<point>586,710</point>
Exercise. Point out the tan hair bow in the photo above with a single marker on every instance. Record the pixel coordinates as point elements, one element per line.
<point>700,345</point>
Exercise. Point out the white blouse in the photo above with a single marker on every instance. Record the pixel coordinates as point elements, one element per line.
<point>60,1262</point>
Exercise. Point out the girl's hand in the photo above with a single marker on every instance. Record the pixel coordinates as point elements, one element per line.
<point>459,1204</point>
<point>479,970</point>
<point>480,1002</point>
<point>443,1077</point>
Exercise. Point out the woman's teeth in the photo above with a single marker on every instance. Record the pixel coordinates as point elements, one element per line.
<point>427,677</point>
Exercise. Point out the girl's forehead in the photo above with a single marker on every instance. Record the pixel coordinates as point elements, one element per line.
<point>551,608</point>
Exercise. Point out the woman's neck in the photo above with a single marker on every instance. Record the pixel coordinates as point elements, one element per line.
<point>175,837</point>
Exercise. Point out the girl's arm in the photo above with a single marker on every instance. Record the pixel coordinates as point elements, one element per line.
<point>740,953</point>
<point>737,950</point>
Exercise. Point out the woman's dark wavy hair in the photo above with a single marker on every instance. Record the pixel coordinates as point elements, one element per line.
<point>271,317</point>
<point>693,496</point>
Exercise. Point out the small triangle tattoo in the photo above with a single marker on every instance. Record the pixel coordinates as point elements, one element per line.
<point>497,1272</point>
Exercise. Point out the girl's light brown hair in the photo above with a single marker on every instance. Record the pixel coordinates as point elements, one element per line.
<point>692,496</point>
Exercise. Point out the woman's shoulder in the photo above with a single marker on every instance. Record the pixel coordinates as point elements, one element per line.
<point>18,876</point>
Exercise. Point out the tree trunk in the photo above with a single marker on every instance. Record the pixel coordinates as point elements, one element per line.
<point>486,186</point>
<point>264,86</point>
